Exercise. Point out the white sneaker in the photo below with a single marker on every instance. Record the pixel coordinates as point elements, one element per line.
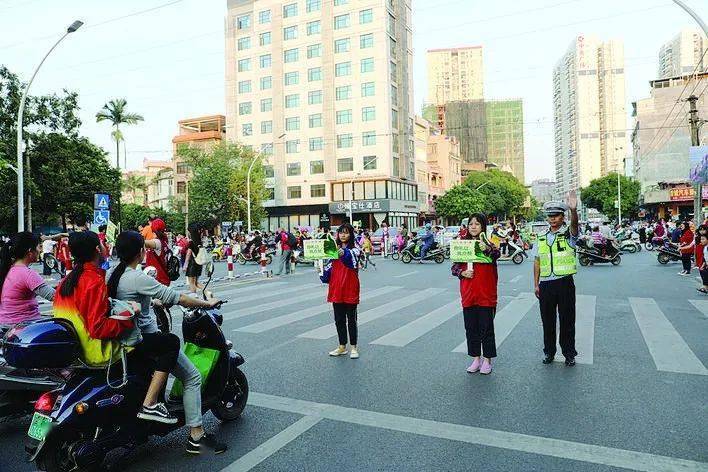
<point>338,352</point>
<point>354,354</point>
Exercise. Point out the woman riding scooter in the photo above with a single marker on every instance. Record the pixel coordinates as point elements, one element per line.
<point>128,282</point>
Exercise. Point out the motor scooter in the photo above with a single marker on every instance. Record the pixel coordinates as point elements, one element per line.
<point>515,253</point>
<point>588,254</point>
<point>412,252</point>
<point>669,252</point>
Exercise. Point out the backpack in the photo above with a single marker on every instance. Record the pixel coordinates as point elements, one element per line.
<point>173,267</point>
<point>292,240</point>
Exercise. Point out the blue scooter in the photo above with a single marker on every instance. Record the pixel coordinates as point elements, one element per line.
<point>73,428</point>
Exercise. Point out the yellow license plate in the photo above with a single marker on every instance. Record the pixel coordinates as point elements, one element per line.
<point>39,427</point>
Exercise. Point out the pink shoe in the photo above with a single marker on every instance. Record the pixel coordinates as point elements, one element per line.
<point>486,367</point>
<point>474,367</point>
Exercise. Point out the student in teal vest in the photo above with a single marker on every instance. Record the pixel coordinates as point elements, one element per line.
<point>553,270</point>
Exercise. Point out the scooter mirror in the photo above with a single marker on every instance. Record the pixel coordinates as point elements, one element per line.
<point>150,271</point>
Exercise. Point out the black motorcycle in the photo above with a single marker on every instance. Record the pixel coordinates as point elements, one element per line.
<point>668,252</point>
<point>412,252</point>
<point>589,254</point>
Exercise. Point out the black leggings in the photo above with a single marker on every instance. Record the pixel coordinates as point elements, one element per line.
<point>686,260</point>
<point>479,329</point>
<point>345,317</point>
<point>160,348</point>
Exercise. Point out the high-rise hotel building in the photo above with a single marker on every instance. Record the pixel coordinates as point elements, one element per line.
<point>324,89</point>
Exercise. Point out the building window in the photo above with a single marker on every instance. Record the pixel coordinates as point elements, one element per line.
<point>269,172</point>
<point>244,65</point>
<point>391,25</point>
<point>392,47</point>
<point>266,104</point>
<point>345,141</point>
<point>314,74</point>
<point>182,168</point>
<point>316,120</point>
<point>264,16</point>
<point>340,2</point>
<point>244,43</point>
<point>316,167</point>
<point>317,191</point>
<point>314,50</point>
<point>368,138</point>
<point>266,82</point>
<point>289,10</point>
<point>244,108</point>
<point>243,22</point>
<point>292,78</point>
<point>291,146</point>
<point>290,32</point>
<point>368,89</point>
<point>342,69</point>
<point>366,41</point>
<point>394,140</point>
<point>394,95</point>
<point>292,124</point>
<point>314,97</point>
<point>369,162</point>
<point>345,165</point>
<point>247,129</point>
<point>366,16</point>
<point>267,149</point>
<point>244,86</point>
<point>294,192</point>
<point>367,65</point>
<point>181,187</point>
<point>266,127</point>
<point>341,21</point>
<point>368,114</point>
<point>316,144</point>
<point>264,39</point>
<point>394,118</point>
<point>313,5</point>
<point>313,27</point>
<point>341,45</point>
<point>393,71</point>
<point>344,117</point>
<point>290,55</point>
<point>292,101</point>
<point>270,193</point>
<point>344,92</point>
<point>266,60</point>
<point>294,168</point>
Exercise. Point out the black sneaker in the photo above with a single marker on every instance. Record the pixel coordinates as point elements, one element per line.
<point>206,443</point>
<point>570,361</point>
<point>547,359</point>
<point>158,412</point>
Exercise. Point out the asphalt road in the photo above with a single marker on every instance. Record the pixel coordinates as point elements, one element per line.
<point>636,400</point>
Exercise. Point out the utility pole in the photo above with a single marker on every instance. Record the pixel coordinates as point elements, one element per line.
<point>695,124</point>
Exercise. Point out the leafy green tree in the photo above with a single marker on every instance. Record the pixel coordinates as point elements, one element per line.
<point>134,184</point>
<point>504,194</point>
<point>217,188</point>
<point>135,216</point>
<point>459,202</point>
<point>115,112</point>
<point>601,195</point>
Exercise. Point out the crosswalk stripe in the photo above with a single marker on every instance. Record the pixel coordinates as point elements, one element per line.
<point>701,305</point>
<point>328,331</point>
<point>515,279</point>
<point>666,346</point>
<point>305,313</point>
<point>273,293</point>
<point>250,288</point>
<point>507,318</point>
<point>241,312</point>
<point>585,328</point>
<point>417,328</point>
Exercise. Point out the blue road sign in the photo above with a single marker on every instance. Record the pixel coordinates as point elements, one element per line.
<point>101,201</point>
<point>101,217</point>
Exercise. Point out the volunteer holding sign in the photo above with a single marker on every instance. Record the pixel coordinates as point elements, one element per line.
<point>475,264</point>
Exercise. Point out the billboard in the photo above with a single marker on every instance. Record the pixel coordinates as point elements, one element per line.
<point>698,164</point>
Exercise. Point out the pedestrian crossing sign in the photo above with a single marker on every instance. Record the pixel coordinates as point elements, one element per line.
<point>101,201</point>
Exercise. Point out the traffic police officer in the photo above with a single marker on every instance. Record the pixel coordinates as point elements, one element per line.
<point>553,270</point>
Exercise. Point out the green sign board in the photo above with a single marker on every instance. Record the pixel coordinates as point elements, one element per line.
<point>314,249</point>
<point>468,250</point>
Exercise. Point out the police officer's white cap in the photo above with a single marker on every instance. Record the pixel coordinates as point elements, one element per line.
<point>554,208</point>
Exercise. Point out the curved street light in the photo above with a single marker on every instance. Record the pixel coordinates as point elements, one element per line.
<point>19,169</point>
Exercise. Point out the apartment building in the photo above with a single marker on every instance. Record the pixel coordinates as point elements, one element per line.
<point>505,135</point>
<point>589,112</point>
<point>150,186</point>
<point>323,88</point>
<point>455,74</point>
<point>683,54</point>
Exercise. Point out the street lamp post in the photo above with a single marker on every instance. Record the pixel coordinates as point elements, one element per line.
<point>20,112</point>
<point>351,199</point>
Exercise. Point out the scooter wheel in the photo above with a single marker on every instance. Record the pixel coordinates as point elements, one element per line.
<point>439,258</point>
<point>269,260</point>
<point>616,261</point>
<point>234,399</point>
<point>56,455</point>
<point>241,259</point>
<point>518,259</point>
<point>663,258</point>
<point>395,256</point>
<point>406,258</point>
<point>584,261</point>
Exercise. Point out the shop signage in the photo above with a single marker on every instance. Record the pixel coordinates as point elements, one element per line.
<point>360,206</point>
<point>682,194</point>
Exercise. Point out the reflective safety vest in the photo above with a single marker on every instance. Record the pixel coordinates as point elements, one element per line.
<point>558,258</point>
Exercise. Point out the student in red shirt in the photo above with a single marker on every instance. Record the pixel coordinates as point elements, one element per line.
<point>344,291</point>
<point>478,291</point>
<point>687,244</point>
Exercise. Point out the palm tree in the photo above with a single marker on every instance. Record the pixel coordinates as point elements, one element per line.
<point>134,183</point>
<point>114,111</point>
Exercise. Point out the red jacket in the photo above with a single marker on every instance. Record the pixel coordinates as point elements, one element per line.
<point>699,255</point>
<point>481,289</point>
<point>344,280</point>
<point>687,239</point>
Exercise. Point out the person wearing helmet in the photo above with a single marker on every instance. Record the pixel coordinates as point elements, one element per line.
<point>428,238</point>
<point>553,270</point>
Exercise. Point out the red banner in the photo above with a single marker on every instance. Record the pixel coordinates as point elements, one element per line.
<point>684,194</point>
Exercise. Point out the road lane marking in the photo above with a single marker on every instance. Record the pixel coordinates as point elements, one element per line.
<point>251,310</point>
<point>406,274</point>
<point>417,328</point>
<point>585,307</point>
<point>305,313</point>
<point>273,445</point>
<point>701,305</point>
<point>515,279</point>
<point>589,453</point>
<point>249,288</point>
<point>274,293</point>
<point>666,346</point>
<point>507,318</point>
<point>329,330</point>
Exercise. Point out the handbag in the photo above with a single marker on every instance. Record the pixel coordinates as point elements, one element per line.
<point>204,360</point>
<point>202,258</point>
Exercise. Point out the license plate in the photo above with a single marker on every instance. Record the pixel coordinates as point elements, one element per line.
<point>39,427</point>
